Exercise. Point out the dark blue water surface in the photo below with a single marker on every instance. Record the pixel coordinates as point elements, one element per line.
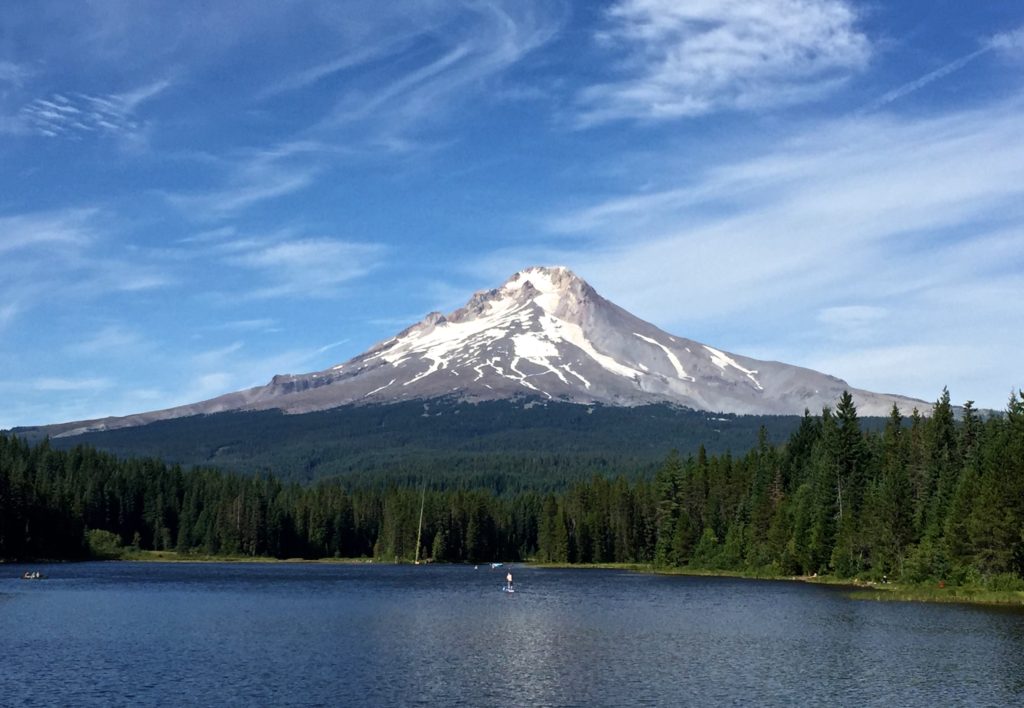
<point>289,634</point>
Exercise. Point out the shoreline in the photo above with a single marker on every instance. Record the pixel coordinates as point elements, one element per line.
<point>175,557</point>
<point>855,589</point>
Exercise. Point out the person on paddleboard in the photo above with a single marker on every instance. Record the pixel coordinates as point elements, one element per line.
<point>508,580</point>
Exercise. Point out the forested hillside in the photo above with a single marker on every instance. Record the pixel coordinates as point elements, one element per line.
<point>528,442</point>
<point>927,497</point>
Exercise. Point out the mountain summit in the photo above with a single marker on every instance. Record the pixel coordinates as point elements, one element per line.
<point>544,334</point>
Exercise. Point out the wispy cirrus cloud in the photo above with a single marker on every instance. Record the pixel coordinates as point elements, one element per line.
<point>15,74</point>
<point>1010,42</point>
<point>110,339</point>
<point>876,232</point>
<point>684,59</point>
<point>360,56</point>
<point>931,77</point>
<point>287,263</point>
<point>65,228</point>
<point>213,357</point>
<point>78,114</point>
<point>263,324</point>
<point>1005,42</point>
<point>237,366</point>
<point>306,267</point>
<point>8,311</point>
<point>843,195</point>
<point>64,254</point>
<point>252,177</point>
<point>245,191</point>
<point>70,385</point>
<point>848,322</point>
<point>443,57</point>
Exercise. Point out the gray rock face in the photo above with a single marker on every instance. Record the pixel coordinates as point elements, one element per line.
<point>544,333</point>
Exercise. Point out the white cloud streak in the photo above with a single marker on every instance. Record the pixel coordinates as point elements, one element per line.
<point>68,228</point>
<point>78,114</point>
<point>306,267</point>
<point>73,385</point>
<point>931,77</point>
<point>49,256</point>
<point>359,57</point>
<point>1011,42</point>
<point>255,325</point>
<point>905,230</point>
<point>685,59</point>
<point>228,368</point>
<point>1006,42</point>
<point>246,192</point>
<point>253,177</point>
<point>111,339</point>
<point>8,311</point>
<point>470,45</point>
<point>15,74</point>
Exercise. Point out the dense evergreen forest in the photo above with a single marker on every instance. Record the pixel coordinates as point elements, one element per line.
<point>531,443</point>
<point>926,498</point>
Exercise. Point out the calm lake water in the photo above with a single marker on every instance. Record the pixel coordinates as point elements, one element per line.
<point>225,634</point>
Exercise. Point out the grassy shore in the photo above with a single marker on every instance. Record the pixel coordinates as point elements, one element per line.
<point>856,589</point>
<point>933,593</point>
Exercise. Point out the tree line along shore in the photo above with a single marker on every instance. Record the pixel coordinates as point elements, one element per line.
<point>933,502</point>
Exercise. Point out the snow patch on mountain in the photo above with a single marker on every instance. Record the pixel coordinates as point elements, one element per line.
<point>542,280</point>
<point>673,359</point>
<point>379,388</point>
<point>543,333</point>
<point>722,361</point>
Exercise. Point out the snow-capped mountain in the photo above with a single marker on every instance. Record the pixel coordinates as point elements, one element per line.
<point>547,334</point>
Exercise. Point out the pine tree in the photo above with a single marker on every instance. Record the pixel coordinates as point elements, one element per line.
<point>851,462</point>
<point>818,508</point>
<point>667,482</point>
<point>887,521</point>
<point>996,525</point>
<point>943,464</point>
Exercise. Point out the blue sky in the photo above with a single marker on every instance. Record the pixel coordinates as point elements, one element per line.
<point>196,196</point>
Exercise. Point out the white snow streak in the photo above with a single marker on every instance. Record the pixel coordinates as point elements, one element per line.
<point>530,346</point>
<point>541,280</point>
<point>556,329</point>
<point>586,383</point>
<point>522,378</point>
<point>536,350</point>
<point>676,364</point>
<point>435,364</point>
<point>446,344</point>
<point>721,360</point>
<point>442,340</point>
<point>380,388</point>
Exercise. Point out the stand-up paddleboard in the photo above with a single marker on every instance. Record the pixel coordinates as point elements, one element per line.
<point>508,588</point>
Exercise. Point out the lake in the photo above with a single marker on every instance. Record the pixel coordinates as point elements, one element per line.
<point>138,634</point>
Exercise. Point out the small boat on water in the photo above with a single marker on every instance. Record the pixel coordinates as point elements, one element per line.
<point>32,575</point>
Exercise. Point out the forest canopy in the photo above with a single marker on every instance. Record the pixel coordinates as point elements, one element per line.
<point>939,496</point>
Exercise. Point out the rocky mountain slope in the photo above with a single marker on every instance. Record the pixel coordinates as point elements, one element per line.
<point>544,333</point>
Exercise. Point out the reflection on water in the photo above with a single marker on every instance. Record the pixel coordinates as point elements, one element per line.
<point>144,634</point>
